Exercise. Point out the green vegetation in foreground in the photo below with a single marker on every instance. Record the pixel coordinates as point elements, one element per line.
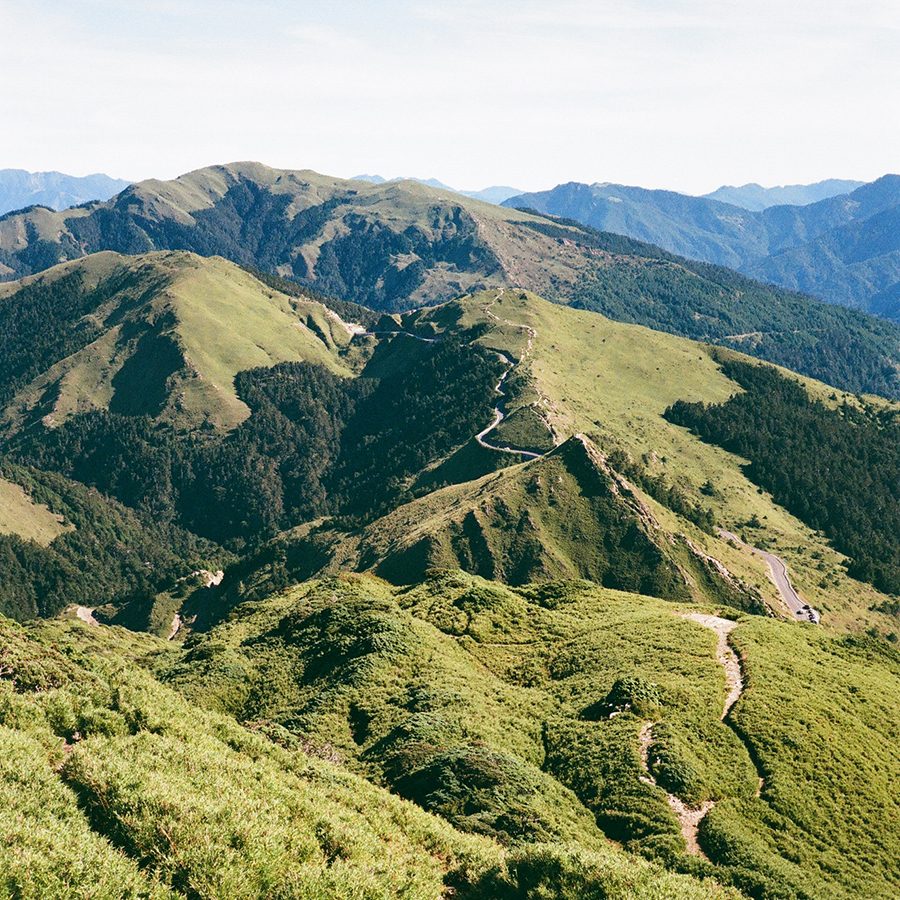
<point>820,715</point>
<point>113,786</point>
<point>836,469</point>
<point>492,707</point>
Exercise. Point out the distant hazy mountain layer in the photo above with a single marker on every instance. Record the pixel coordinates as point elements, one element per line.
<point>844,249</point>
<point>19,189</point>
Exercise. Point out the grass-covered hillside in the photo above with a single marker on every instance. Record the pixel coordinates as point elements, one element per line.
<point>346,738</point>
<point>398,245</point>
<point>520,714</point>
<point>162,335</point>
<point>582,373</point>
<point>113,785</point>
<point>566,515</point>
<point>365,453</point>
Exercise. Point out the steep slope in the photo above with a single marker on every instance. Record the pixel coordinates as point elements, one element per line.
<point>842,248</point>
<point>756,197</point>
<point>404,421</point>
<point>565,515</point>
<point>19,189</point>
<point>62,544</point>
<point>161,335</point>
<point>398,245</point>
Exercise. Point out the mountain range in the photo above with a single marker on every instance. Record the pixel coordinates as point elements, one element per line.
<point>370,540</point>
<point>843,249</point>
<point>399,245</point>
<point>19,189</point>
<point>756,197</point>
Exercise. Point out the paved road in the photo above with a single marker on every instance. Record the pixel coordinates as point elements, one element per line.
<point>500,415</point>
<point>418,337</point>
<point>779,574</point>
<point>500,408</point>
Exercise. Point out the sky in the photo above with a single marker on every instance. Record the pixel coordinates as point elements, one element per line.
<point>679,94</point>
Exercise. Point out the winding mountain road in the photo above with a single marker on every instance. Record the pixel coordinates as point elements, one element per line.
<point>778,573</point>
<point>500,408</point>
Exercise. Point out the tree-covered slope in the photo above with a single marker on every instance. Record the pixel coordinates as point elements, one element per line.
<point>99,552</point>
<point>774,422</point>
<point>398,245</point>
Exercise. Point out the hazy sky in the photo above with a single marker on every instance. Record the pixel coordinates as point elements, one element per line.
<point>686,94</point>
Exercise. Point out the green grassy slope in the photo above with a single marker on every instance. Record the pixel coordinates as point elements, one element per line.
<point>820,714</point>
<point>21,516</point>
<point>567,515</point>
<point>398,245</point>
<point>114,786</point>
<point>613,382</point>
<point>162,334</point>
<point>515,713</point>
<point>321,443</point>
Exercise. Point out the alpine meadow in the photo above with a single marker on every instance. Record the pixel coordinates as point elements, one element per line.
<point>365,538</point>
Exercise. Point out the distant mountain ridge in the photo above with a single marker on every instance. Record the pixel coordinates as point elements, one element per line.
<point>496,193</point>
<point>20,188</point>
<point>757,198</point>
<point>844,249</point>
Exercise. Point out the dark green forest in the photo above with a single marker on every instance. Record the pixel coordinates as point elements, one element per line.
<point>112,552</point>
<point>838,470</point>
<point>315,444</point>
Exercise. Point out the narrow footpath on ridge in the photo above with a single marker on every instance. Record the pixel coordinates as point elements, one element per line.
<point>690,817</point>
